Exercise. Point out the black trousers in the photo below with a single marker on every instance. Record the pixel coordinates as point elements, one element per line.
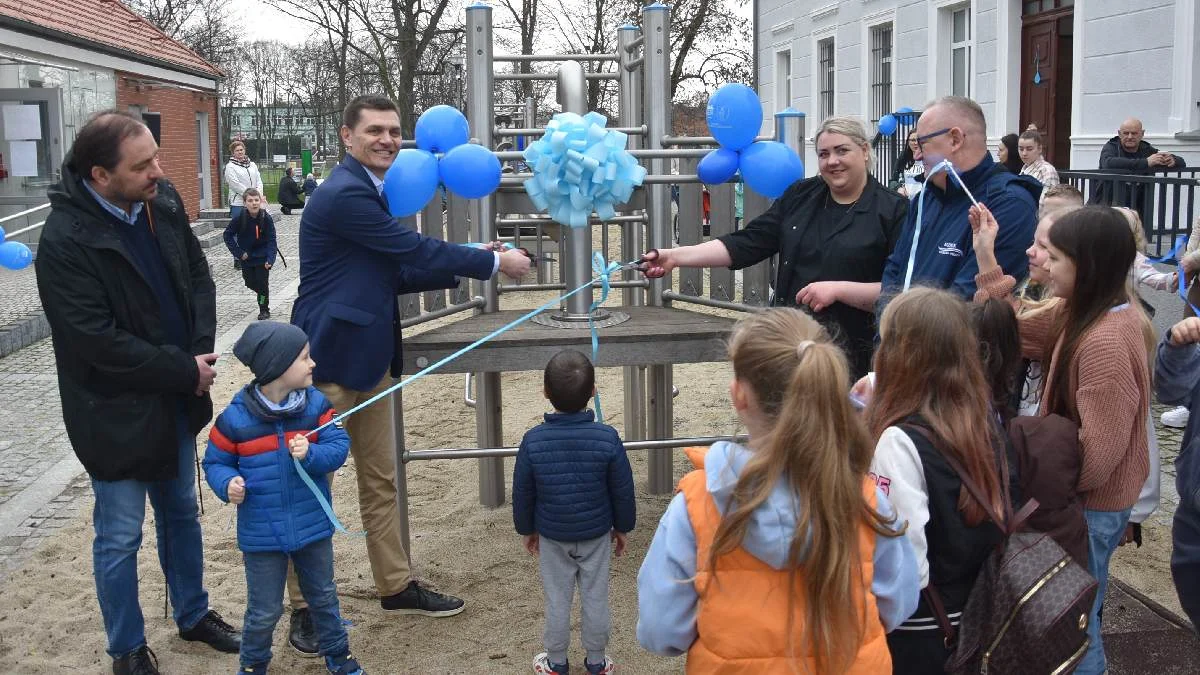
<point>257,279</point>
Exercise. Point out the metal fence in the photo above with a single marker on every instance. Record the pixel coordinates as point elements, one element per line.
<point>1166,200</point>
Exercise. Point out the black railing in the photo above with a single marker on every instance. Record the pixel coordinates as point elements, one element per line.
<point>1166,200</point>
<point>889,148</point>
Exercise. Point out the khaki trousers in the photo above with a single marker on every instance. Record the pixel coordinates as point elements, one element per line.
<point>373,447</point>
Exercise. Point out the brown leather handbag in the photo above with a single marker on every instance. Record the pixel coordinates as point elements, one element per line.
<point>1027,613</point>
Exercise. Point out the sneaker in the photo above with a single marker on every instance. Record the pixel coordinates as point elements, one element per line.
<point>264,314</point>
<point>542,666</point>
<point>302,635</point>
<point>213,631</point>
<point>257,669</point>
<point>418,600</point>
<point>140,661</point>
<point>603,668</point>
<point>1176,418</point>
<point>344,665</point>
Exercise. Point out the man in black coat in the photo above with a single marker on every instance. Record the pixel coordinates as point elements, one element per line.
<point>132,311</point>
<point>1128,153</point>
<point>289,193</point>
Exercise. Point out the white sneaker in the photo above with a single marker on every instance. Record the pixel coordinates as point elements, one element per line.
<point>542,666</point>
<point>1176,418</point>
<point>605,668</point>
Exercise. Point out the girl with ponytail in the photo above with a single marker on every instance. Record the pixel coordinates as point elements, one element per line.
<point>780,555</point>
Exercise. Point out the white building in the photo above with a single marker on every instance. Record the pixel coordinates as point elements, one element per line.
<point>1076,68</point>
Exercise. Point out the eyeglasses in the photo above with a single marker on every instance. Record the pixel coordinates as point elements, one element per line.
<point>921,139</point>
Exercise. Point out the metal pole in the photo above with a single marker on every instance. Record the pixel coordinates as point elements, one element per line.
<point>629,93</point>
<point>789,129</point>
<point>401,469</point>
<point>657,86</point>
<point>468,453</point>
<point>480,94</point>
<point>577,241</point>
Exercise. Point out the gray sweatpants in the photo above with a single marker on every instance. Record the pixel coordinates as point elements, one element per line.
<point>563,564</point>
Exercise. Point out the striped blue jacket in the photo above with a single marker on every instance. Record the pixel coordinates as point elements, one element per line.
<point>279,513</point>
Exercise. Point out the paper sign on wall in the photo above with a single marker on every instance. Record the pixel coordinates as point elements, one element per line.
<point>22,122</point>
<point>24,158</point>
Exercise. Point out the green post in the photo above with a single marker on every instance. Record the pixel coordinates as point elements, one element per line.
<point>306,162</point>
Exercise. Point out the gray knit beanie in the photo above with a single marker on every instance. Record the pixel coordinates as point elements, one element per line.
<point>269,348</point>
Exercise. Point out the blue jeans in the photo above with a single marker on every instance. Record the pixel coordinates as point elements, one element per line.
<point>118,516</point>
<point>265,575</point>
<point>235,211</point>
<point>1104,535</point>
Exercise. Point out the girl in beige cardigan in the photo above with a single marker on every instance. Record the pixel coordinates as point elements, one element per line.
<point>1094,343</point>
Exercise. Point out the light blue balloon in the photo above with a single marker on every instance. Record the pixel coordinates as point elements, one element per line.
<point>410,181</point>
<point>887,125</point>
<point>441,128</point>
<point>470,171</point>
<point>717,166</point>
<point>734,116</point>
<point>14,255</point>
<point>769,167</point>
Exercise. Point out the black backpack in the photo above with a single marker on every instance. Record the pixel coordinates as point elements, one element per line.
<point>1028,611</point>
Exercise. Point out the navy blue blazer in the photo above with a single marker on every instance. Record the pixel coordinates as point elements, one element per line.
<point>355,258</point>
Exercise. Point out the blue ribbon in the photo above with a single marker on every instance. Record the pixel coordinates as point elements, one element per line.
<point>1179,242</point>
<point>946,166</point>
<point>325,506</point>
<point>603,272</point>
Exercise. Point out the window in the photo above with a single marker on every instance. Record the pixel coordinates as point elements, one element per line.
<point>881,71</point>
<point>783,79</point>
<point>1031,7</point>
<point>825,76</point>
<point>960,52</point>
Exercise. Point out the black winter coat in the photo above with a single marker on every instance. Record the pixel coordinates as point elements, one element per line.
<point>120,380</point>
<point>855,249</point>
<point>289,193</point>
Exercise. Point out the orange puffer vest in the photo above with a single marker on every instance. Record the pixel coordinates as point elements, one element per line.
<point>741,617</point>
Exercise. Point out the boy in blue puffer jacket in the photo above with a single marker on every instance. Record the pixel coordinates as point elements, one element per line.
<point>253,451</point>
<point>250,237</point>
<point>572,492</point>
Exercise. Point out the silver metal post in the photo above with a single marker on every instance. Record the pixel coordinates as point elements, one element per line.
<point>789,129</point>
<point>657,86</point>
<point>401,470</point>
<point>629,93</point>
<point>577,241</point>
<point>480,99</point>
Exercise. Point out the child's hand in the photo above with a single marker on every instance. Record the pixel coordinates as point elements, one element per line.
<point>619,538</point>
<point>245,256</point>
<point>266,266</point>
<point>236,490</point>
<point>1186,332</point>
<point>531,543</point>
<point>298,446</point>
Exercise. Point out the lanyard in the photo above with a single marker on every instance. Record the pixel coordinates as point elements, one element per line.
<point>946,166</point>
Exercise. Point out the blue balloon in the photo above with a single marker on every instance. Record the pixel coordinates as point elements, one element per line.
<point>906,115</point>
<point>734,116</point>
<point>441,128</point>
<point>470,171</point>
<point>410,181</point>
<point>14,255</point>
<point>887,125</point>
<point>717,166</point>
<point>769,167</point>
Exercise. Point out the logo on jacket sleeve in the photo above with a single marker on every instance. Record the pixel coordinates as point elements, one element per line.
<point>950,248</point>
<point>882,482</point>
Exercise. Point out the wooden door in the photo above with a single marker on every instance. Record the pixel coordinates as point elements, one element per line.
<point>1046,72</point>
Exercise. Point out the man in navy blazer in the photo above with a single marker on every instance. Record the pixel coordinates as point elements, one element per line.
<point>354,259</point>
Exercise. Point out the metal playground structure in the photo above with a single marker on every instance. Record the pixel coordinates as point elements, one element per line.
<point>647,333</point>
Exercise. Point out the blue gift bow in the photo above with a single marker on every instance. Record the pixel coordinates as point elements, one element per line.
<point>946,166</point>
<point>603,272</point>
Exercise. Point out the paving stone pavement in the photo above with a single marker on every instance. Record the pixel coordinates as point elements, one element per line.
<point>40,479</point>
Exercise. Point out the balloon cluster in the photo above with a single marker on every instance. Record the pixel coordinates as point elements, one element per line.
<point>468,170</point>
<point>580,167</point>
<point>14,255</point>
<point>734,115</point>
<point>889,122</point>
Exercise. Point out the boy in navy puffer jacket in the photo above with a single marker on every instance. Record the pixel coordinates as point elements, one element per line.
<point>250,237</point>
<point>572,492</point>
<point>255,450</point>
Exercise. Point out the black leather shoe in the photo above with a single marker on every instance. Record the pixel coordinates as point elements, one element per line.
<point>213,631</point>
<point>417,600</point>
<point>141,662</point>
<point>301,634</point>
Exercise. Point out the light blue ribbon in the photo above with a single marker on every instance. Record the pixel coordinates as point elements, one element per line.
<point>946,166</point>
<point>603,272</point>
<point>325,506</point>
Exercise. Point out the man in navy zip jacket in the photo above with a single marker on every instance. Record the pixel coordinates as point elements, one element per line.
<point>354,259</point>
<point>954,128</point>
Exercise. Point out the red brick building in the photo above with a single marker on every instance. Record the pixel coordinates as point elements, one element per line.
<point>70,58</point>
